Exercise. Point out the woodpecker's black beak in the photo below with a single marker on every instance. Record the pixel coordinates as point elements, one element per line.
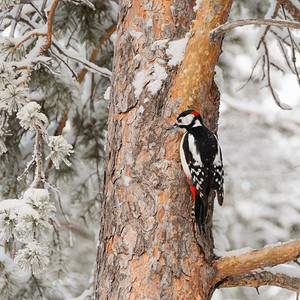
<point>172,127</point>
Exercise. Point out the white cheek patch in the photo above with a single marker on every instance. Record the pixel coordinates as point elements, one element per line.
<point>187,120</point>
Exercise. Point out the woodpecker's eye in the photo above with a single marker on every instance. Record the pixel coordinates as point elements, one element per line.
<point>179,121</point>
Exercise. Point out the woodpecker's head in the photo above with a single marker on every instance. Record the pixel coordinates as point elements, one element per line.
<point>188,119</point>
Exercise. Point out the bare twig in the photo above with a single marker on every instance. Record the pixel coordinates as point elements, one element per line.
<point>218,32</point>
<point>284,54</point>
<point>61,209</point>
<point>274,95</point>
<point>251,75</point>
<point>293,48</point>
<point>268,27</point>
<point>257,279</point>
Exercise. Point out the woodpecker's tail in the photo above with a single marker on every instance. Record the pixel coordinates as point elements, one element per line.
<point>200,212</point>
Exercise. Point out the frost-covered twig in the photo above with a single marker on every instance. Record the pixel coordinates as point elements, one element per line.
<point>38,157</point>
<point>64,62</point>
<point>29,165</point>
<point>273,11</point>
<point>87,64</point>
<point>23,41</point>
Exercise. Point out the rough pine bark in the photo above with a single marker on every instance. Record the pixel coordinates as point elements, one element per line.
<point>148,247</point>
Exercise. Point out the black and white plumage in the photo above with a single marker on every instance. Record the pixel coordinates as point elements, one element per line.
<point>201,159</point>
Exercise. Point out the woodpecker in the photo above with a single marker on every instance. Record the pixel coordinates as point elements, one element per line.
<point>202,163</point>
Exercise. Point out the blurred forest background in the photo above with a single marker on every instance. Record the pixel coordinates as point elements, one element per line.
<point>260,141</point>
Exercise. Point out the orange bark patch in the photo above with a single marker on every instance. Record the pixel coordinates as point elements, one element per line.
<point>160,215</point>
<point>197,69</point>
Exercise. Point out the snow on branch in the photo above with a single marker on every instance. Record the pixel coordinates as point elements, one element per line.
<point>218,32</point>
<point>85,63</point>
<point>268,256</point>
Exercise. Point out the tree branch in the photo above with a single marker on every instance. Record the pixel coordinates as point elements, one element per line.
<point>218,32</point>
<point>255,259</point>
<point>293,11</point>
<point>20,43</point>
<point>257,279</point>
<point>49,26</point>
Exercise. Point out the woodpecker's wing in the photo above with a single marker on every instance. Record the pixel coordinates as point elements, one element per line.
<point>217,180</point>
<point>193,167</point>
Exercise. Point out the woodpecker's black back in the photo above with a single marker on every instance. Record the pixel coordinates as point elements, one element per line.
<point>202,163</point>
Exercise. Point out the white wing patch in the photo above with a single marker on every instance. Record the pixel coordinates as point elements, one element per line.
<point>194,151</point>
<point>217,161</point>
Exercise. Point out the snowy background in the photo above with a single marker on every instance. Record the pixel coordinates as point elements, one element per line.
<point>48,240</point>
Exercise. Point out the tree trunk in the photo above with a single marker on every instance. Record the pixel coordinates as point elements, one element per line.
<point>148,245</point>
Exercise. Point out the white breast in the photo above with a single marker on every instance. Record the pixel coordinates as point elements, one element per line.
<point>183,160</point>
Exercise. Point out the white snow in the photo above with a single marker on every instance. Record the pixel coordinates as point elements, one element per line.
<point>140,79</point>
<point>233,252</point>
<point>176,51</point>
<point>107,94</point>
<point>30,116</point>
<point>157,78</point>
<point>162,44</point>
<point>289,270</point>
<point>10,204</point>
<point>152,77</point>
<point>136,34</point>
<point>126,180</point>
<point>60,148</point>
<point>296,3</point>
<point>149,22</point>
<point>141,109</point>
<point>74,55</point>
<point>197,5</point>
